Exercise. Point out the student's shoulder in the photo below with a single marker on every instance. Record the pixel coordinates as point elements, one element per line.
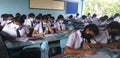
<point>75,32</point>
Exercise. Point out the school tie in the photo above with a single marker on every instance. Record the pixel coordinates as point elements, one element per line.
<point>60,27</point>
<point>31,23</point>
<point>18,33</point>
<point>43,27</point>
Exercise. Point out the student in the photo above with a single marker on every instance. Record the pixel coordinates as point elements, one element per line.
<point>9,19</point>
<point>108,36</point>
<point>89,17</point>
<point>117,17</point>
<point>95,20</point>
<point>52,23</point>
<point>83,19</point>
<point>75,43</point>
<point>16,29</point>
<point>30,21</point>
<point>42,28</point>
<point>76,17</point>
<point>3,23</point>
<point>60,26</point>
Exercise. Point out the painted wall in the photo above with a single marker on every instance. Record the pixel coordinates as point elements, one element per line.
<point>22,6</point>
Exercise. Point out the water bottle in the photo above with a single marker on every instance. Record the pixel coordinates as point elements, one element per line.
<point>44,50</point>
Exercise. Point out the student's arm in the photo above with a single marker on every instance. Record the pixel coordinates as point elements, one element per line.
<point>35,33</point>
<point>111,46</point>
<point>45,32</point>
<point>94,45</point>
<point>25,36</point>
<point>69,50</point>
<point>50,29</point>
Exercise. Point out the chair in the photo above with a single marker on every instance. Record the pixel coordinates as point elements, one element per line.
<point>63,44</point>
<point>3,50</point>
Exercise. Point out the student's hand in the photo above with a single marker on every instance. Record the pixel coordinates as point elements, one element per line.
<point>112,46</point>
<point>90,52</point>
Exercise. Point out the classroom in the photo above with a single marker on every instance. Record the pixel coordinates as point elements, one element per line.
<point>59,29</point>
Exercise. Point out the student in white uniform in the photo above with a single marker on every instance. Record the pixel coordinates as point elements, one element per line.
<point>89,17</point>
<point>76,42</point>
<point>76,17</point>
<point>107,37</point>
<point>95,20</point>
<point>117,17</point>
<point>30,21</point>
<point>16,29</point>
<point>10,18</point>
<point>42,28</point>
<point>52,23</point>
<point>4,22</point>
<point>60,26</point>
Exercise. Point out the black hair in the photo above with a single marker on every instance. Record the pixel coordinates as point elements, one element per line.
<point>23,16</point>
<point>105,17</point>
<point>71,16</point>
<point>52,18</point>
<point>31,15</point>
<point>77,14</point>
<point>83,16</point>
<point>94,15</point>
<point>44,17</point>
<point>111,18</point>
<point>19,19</point>
<point>88,14</point>
<point>116,15</point>
<point>59,17</point>
<point>2,15</point>
<point>91,27</point>
<point>49,15</point>
<point>37,17</point>
<point>114,25</point>
<point>5,16</point>
<point>17,15</point>
<point>10,15</point>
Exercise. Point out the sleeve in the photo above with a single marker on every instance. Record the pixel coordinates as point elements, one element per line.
<point>71,40</point>
<point>36,27</point>
<point>5,28</point>
<point>27,22</point>
<point>27,30</point>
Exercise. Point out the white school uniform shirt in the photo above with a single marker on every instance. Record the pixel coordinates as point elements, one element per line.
<point>75,40</point>
<point>11,29</point>
<point>39,28</point>
<point>58,24</point>
<point>76,17</point>
<point>5,22</point>
<point>103,37</point>
<point>95,21</point>
<point>28,22</point>
<point>117,19</point>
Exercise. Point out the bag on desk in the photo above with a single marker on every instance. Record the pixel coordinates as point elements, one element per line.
<point>30,53</point>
